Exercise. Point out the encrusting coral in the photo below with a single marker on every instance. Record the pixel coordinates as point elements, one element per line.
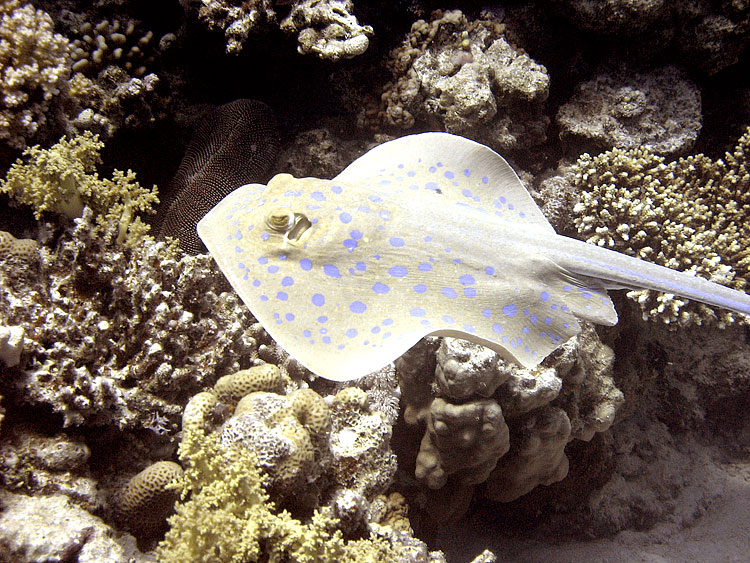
<point>63,179</point>
<point>34,69</point>
<point>691,214</point>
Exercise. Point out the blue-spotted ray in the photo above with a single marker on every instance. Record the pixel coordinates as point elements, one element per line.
<point>426,234</point>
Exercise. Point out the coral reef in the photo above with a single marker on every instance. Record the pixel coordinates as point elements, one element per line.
<point>690,214</point>
<point>464,77</point>
<point>34,69</point>
<point>63,179</point>
<point>237,21</point>
<point>118,336</point>
<point>708,36</point>
<point>302,445</point>
<point>230,514</point>
<point>328,29</point>
<point>495,423</point>
<point>108,338</point>
<point>659,110</point>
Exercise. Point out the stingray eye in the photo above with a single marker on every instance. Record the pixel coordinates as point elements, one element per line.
<point>301,225</point>
<point>280,220</point>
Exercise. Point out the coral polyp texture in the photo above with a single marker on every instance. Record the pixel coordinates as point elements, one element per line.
<point>466,78</point>
<point>690,214</point>
<point>34,69</point>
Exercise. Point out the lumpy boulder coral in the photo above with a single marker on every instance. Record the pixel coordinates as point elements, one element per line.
<point>689,214</point>
<point>489,421</point>
<point>466,78</point>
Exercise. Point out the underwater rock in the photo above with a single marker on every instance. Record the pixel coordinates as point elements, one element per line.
<point>52,528</point>
<point>658,110</point>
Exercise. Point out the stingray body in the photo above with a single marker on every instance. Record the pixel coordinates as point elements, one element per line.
<point>427,234</point>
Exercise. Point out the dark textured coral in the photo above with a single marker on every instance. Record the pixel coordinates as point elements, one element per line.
<point>235,144</point>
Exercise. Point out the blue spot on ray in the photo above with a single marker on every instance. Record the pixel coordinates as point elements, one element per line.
<point>357,307</point>
<point>381,288</point>
<point>331,271</point>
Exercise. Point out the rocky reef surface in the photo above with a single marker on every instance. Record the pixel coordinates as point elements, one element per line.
<point>145,415</point>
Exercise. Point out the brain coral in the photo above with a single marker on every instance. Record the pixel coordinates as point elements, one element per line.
<point>691,214</point>
<point>34,69</point>
<point>147,499</point>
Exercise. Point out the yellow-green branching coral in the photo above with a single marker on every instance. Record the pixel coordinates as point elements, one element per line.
<point>226,516</point>
<point>690,214</point>
<point>63,179</point>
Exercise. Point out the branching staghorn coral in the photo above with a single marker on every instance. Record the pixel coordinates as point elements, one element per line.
<point>691,214</point>
<point>63,179</point>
